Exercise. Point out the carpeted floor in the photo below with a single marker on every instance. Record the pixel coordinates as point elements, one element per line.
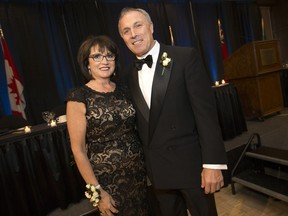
<point>273,131</point>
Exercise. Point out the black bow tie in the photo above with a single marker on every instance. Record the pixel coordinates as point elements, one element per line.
<point>139,62</point>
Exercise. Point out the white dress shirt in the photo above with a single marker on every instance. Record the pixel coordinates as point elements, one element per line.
<point>146,74</point>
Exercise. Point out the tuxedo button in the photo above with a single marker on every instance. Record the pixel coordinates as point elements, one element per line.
<point>173,127</point>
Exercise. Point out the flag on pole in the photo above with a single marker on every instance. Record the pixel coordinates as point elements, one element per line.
<point>223,44</point>
<point>14,83</point>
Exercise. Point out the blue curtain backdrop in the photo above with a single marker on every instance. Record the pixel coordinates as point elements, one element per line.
<point>43,37</point>
<point>210,46</point>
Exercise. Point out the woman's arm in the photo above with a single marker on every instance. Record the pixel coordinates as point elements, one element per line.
<point>76,122</point>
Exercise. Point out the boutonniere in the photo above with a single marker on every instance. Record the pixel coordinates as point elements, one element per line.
<point>164,61</point>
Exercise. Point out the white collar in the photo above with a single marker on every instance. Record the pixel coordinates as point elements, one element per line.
<point>154,52</point>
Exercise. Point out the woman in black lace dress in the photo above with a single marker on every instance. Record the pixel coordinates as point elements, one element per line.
<point>101,124</point>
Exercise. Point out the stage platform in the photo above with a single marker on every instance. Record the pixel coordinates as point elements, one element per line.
<point>273,131</point>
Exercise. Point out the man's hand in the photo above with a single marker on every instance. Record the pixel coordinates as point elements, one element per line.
<point>212,180</point>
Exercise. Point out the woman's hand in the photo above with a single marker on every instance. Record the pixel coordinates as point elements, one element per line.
<point>107,204</point>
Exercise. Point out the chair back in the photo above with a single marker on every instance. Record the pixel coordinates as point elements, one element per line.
<point>59,110</point>
<point>12,122</point>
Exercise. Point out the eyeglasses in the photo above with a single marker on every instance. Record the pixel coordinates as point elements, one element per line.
<point>99,57</point>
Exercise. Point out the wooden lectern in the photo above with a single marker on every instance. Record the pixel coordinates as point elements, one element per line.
<point>254,70</point>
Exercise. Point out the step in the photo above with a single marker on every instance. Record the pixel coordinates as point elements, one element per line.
<point>277,156</point>
<point>269,185</point>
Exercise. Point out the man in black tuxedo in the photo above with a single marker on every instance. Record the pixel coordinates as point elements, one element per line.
<point>177,120</point>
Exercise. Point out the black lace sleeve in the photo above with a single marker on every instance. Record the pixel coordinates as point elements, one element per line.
<point>76,95</point>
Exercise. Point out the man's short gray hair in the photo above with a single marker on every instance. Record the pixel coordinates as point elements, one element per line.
<point>129,9</point>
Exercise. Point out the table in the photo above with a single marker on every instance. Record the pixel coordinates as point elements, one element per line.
<point>230,113</point>
<point>37,171</point>
<point>284,86</point>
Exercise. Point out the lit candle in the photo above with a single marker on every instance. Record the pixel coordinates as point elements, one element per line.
<point>217,83</point>
<point>223,81</point>
<point>53,123</point>
<point>27,129</point>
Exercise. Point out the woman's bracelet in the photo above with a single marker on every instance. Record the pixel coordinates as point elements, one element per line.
<point>93,194</point>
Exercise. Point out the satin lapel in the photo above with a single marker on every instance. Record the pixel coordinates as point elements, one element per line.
<point>159,88</point>
<point>138,96</point>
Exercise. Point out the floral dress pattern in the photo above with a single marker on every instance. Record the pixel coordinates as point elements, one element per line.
<point>114,149</point>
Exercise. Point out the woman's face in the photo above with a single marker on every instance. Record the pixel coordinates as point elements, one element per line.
<point>102,64</point>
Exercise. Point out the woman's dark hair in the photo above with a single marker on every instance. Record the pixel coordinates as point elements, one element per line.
<point>103,42</point>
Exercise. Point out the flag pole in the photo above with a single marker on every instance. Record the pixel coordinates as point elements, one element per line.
<point>1,32</point>
<point>171,35</point>
<point>1,37</point>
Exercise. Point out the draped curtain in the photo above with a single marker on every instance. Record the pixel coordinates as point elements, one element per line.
<point>241,23</point>
<point>44,36</point>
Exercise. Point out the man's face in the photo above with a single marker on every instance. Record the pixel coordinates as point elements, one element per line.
<point>136,32</point>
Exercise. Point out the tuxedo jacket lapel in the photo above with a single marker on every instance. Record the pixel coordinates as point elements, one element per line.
<point>159,87</point>
<point>138,96</point>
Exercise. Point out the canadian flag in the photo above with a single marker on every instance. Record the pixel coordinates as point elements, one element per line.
<point>14,83</point>
<point>223,44</point>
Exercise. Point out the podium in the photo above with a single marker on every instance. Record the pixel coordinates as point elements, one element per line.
<point>255,71</point>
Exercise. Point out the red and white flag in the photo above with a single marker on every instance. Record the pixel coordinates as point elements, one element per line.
<point>223,44</point>
<point>14,83</point>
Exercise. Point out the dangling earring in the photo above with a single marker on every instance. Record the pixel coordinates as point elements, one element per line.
<point>89,70</point>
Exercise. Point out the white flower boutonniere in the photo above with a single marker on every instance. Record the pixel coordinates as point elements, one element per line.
<point>164,61</point>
